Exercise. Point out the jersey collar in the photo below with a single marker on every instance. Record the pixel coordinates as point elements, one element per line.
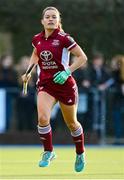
<point>54,34</point>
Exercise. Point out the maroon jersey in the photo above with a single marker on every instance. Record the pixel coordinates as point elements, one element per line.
<point>53,53</point>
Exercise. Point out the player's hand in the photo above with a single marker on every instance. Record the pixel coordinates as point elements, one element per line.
<point>61,76</point>
<point>25,77</point>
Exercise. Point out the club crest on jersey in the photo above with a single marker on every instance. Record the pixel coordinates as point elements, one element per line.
<point>55,42</point>
<point>46,55</point>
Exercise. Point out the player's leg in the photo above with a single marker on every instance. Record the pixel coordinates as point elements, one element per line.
<point>45,103</point>
<point>70,116</point>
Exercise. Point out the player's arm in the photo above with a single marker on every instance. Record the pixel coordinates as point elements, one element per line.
<point>32,63</point>
<point>61,76</point>
<point>25,78</point>
<point>79,60</point>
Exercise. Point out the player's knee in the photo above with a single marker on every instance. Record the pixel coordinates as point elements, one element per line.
<point>43,120</point>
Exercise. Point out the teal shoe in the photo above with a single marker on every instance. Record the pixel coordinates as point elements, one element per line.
<point>46,158</point>
<point>80,162</point>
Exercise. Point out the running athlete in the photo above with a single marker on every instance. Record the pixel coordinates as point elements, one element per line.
<point>55,83</point>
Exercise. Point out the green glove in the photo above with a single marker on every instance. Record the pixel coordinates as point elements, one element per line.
<point>61,76</point>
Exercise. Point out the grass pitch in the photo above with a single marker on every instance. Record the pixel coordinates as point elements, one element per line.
<point>21,162</point>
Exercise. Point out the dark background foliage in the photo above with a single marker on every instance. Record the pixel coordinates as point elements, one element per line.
<point>97,25</point>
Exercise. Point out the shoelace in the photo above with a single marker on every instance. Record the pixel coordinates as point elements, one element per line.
<point>78,160</point>
<point>45,156</point>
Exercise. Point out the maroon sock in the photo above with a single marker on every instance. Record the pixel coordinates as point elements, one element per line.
<point>78,138</point>
<point>46,137</point>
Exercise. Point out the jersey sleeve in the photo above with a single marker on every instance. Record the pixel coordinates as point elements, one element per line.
<point>34,41</point>
<point>69,42</point>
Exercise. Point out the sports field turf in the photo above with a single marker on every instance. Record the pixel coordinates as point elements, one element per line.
<point>21,162</point>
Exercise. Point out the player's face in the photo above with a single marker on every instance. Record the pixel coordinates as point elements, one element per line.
<point>50,20</point>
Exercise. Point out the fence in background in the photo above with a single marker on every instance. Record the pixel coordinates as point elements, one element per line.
<point>96,106</point>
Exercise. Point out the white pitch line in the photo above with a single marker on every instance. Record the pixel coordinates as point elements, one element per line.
<point>61,161</point>
<point>60,179</point>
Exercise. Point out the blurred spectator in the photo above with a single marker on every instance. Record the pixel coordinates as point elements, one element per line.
<point>8,81</point>
<point>8,75</point>
<point>82,77</point>
<point>117,65</point>
<point>26,119</point>
<point>100,80</point>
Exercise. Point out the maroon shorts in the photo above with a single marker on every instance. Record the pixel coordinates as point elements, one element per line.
<point>66,93</point>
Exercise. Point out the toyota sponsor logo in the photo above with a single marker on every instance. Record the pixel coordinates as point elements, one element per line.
<point>46,55</point>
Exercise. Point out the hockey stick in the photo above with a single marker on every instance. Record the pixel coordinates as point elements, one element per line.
<point>25,83</point>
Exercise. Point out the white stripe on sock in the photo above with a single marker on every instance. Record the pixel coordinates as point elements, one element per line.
<point>44,130</point>
<point>78,132</point>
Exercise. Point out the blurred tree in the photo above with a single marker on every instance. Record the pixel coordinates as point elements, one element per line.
<point>96,25</point>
